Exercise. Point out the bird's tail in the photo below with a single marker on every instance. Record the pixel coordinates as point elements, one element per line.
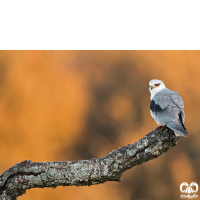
<point>178,128</point>
<point>181,134</point>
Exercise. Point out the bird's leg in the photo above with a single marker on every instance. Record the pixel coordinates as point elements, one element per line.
<point>159,125</point>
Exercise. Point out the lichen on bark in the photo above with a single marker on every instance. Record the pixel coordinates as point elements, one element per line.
<point>26,175</point>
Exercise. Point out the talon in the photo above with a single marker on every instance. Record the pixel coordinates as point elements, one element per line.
<point>159,125</point>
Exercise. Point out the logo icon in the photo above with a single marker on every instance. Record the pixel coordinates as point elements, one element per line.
<point>189,189</point>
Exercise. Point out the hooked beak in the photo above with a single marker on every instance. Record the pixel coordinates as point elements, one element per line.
<point>152,87</point>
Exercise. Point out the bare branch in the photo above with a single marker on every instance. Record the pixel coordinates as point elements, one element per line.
<point>27,174</point>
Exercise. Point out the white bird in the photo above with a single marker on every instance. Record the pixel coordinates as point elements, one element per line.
<point>167,107</point>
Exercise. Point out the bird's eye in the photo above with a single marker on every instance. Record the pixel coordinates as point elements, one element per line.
<point>157,84</point>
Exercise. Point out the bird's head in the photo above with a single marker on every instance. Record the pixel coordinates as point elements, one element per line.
<point>155,86</point>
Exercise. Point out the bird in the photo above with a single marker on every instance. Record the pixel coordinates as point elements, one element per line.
<point>167,107</point>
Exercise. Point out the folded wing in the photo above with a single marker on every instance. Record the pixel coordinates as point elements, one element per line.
<point>168,109</point>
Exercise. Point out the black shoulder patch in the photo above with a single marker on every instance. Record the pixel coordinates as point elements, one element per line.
<point>155,107</point>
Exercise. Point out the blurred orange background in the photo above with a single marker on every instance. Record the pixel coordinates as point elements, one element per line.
<point>74,105</point>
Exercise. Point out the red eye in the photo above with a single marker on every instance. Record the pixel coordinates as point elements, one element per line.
<point>157,84</point>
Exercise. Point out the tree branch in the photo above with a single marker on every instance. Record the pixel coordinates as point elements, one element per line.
<point>27,174</point>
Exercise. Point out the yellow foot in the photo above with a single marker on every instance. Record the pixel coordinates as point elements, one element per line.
<point>159,125</point>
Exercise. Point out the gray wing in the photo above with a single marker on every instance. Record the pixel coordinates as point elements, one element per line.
<point>168,109</point>
<point>179,102</point>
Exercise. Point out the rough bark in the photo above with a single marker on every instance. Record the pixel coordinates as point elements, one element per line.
<point>27,174</point>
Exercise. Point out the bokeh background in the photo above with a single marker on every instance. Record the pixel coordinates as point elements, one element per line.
<point>72,105</point>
